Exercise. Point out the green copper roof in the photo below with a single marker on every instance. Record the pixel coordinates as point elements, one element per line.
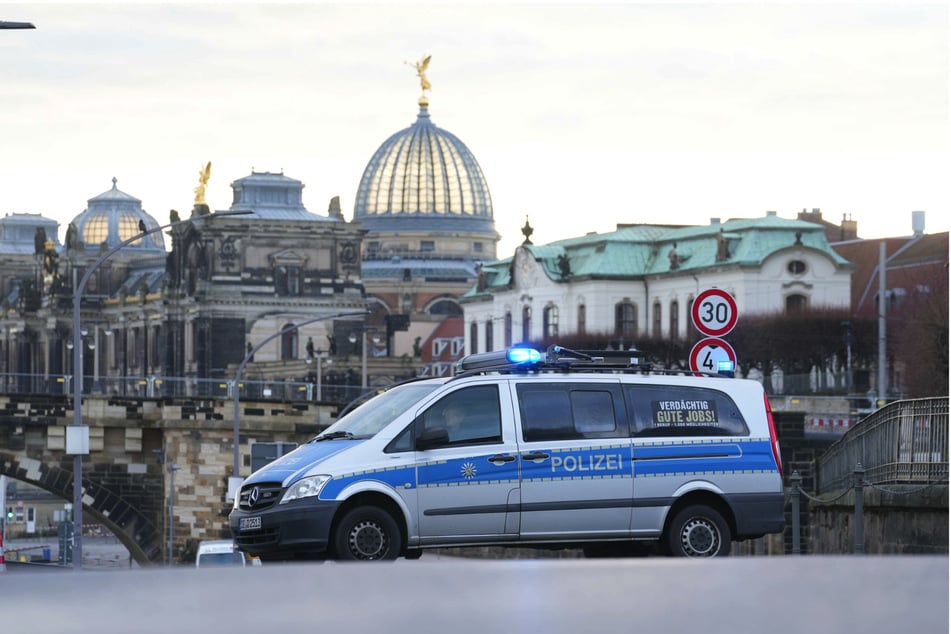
<point>645,250</point>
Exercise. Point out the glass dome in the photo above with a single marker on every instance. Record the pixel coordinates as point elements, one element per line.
<point>112,218</point>
<point>423,170</point>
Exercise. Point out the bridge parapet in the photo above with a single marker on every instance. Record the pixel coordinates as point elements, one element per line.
<point>125,482</point>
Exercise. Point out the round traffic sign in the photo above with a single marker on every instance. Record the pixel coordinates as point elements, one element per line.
<point>714,312</point>
<point>707,355</point>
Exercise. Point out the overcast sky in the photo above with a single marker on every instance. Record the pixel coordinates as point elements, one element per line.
<point>581,115</point>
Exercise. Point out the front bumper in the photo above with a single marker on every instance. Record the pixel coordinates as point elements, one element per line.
<point>297,529</point>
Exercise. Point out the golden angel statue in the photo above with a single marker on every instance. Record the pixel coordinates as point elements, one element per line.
<point>203,176</point>
<point>421,67</point>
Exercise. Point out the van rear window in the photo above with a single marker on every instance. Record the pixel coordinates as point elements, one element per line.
<point>682,411</point>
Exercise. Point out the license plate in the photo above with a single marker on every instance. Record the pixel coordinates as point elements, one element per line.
<point>249,523</point>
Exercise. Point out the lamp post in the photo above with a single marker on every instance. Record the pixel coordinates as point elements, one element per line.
<point>77,434</point>
<point>234,482</point>
<point>363,351</point>
<point>172,468</point>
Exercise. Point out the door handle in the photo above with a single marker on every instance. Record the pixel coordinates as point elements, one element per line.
<point>501,459</point>
<point>535,455</point>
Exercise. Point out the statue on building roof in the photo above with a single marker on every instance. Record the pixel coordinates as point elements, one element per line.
<point>39,240</point>
<point>203,175</point>
<point>527,231</point>
<point>674,257</point>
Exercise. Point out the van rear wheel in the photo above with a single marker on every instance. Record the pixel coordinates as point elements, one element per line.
<point>698,531</point>
<point>367,533</point>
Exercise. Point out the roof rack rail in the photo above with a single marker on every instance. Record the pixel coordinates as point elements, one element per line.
<point>558,358</point>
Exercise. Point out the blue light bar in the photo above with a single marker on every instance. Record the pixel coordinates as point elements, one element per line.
<point>499,359</point>
<point>524,355</point>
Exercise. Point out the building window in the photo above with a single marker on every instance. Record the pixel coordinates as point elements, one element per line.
<point>674,320</point>
<point>446,307</point>
<point>287,280</point>
<point>582,319</point>
<point>373,248</point>
<point>477,247</point>
<point>508,330</point>
<point>473,338</point>
<point>625,319</point>
<point>550,322</point>
<point>526,323</point>
<point>796,303</point>
<point>489,343</point>
<point>796,267</point>
<point>692,332</point>
<point>289,342</point>
<point>427,246</point>
<point>655,319</point>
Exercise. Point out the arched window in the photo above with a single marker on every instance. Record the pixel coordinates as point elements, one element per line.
<point>446,307</point>
<point>289,342</point>
<point>526,323</point>
<point>550,322</point>
<point>796,303</point>
<point>692,332</point>
<point>655,321</point>
<point>625,319</point>
<point>508,330</point>
<point>674,320</point>
<point>473,337</point>
<point>489,344</point>
<point>582,319</point>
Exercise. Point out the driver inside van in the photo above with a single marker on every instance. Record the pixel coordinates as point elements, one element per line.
<point>454,416</point>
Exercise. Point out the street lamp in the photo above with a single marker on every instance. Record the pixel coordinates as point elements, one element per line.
<point>77,434</point>
<point>172,468</point>
<point>363,350</point>
<point>234,482</point>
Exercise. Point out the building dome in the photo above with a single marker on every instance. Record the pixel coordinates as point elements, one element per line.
<point>112,218</point>
<point>424,178</point>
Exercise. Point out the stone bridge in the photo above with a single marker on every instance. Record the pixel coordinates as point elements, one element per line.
<point>125,482</point>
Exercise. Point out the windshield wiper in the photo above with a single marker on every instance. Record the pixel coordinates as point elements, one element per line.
<point>334,435</point>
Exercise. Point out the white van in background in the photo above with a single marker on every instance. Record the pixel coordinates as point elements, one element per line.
<point>218,553</point>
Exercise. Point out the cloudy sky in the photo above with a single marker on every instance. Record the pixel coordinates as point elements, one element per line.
<point>581,115</point>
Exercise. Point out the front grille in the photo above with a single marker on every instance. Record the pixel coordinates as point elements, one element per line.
<point>256,539</point>
<point>265,496</point>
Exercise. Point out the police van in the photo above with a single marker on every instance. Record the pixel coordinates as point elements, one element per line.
<point>525,448</point>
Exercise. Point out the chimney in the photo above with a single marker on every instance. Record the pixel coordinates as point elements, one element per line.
<point>918,223</point>
<point>714,221</point>
<point>770,214</point>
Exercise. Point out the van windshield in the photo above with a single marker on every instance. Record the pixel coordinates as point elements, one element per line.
<point>371,417</point>
<point>221,559</point>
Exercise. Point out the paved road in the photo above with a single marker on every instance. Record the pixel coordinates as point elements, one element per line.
<point>801,595</point>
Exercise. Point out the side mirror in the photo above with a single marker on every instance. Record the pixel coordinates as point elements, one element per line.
<point>432,438</point>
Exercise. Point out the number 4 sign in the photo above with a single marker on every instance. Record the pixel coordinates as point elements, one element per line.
<point>708,354</point>
<point>714,312</point>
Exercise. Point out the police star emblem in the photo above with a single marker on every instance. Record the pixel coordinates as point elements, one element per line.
<point>468,471</point>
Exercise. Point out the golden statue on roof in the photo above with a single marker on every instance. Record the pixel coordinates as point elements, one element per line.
<point>421,67</point>
<point>203,175</point>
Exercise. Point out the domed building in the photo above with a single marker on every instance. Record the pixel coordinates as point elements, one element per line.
<point>425,205</point>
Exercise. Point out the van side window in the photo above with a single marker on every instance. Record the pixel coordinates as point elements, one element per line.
<point>471,416</point>
<point>561,411</point>
<point>682,411</point>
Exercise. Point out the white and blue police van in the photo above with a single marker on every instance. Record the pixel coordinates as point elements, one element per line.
<point>551,449</point>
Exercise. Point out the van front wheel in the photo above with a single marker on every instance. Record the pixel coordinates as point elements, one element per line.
<point>367,533</point>
<point>698,531</point>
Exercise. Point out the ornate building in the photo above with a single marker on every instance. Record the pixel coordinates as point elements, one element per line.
<point>641,280</point>
<point>228,283</point>
<point>427,212</point>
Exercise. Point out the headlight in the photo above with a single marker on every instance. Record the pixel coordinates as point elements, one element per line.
<point>305,488</point>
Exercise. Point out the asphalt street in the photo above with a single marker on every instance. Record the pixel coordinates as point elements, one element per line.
<point>807,594</point>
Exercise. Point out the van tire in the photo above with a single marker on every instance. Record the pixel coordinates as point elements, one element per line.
<point>698,531</point>
<point>367,533</point>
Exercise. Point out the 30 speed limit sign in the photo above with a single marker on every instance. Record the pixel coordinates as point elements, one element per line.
<point>714,312</point>
<point>707,355</point>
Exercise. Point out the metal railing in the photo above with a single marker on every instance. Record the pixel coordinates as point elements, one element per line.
<point>905,442</point>
<point>186,387</point>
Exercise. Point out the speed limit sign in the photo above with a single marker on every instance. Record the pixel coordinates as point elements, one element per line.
<point>709,355</point>
<point>714,312</point>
